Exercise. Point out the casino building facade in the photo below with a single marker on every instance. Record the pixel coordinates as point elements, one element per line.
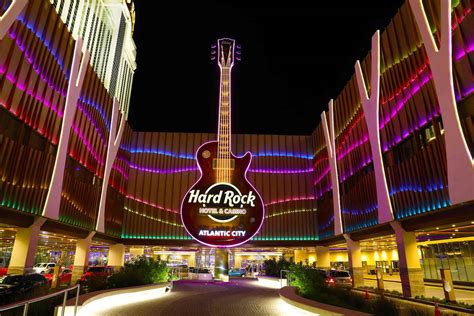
<point>385,181</point>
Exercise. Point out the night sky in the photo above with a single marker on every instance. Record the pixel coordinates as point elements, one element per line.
<point>294,59</point>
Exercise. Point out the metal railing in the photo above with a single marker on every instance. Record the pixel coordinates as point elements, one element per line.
<point>27,303</point>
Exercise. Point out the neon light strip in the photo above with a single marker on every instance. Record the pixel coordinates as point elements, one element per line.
<point>186,156</point>
<point>415,88</point>
<point>54,108</point>
<point>347,130</point>
<point>416,48</point>
<point>320,160</point>
<point>195,168</point>
<point>465,94</point>
<point>290,199</point>
<point>352,147</point>
<point>405,135</point>
<point>89,147</point>
<point>365,211</point>
<point>36,68</point>
<point>41,37</point>
<point>322,175</point>
<point>290,212</point>
<point>323,191</point>
<point>128,196</point>
<point>361,164</point>
<point>458,55</point>
<point>416,188</point>
<point>282,171</point>
<point>50,84</point>
<point>152,218</point>
<point>283,238</point>
<point>162,171</point>
<point>98,108</point>
<point>93,121</point>
<point>327,224</point>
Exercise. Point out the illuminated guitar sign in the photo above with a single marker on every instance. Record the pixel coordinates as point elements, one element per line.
<point>222,209</point>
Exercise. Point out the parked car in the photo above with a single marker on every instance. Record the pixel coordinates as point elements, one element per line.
<point>335,278</point>
<point>42,267</point>
<point>64,276</point>
<point>97,271</point>
<point>237,273</point>
<point>4,265</point>
<point>21,286</point>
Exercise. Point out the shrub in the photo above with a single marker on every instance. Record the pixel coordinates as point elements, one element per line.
<point>142,271</point>
<point>93,283</point>
<point>384,307</point>
<point>273,267</point>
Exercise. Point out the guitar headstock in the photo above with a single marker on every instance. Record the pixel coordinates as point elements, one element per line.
<point>226,52</point>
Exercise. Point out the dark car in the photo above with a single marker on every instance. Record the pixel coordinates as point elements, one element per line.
<point>22,286</point>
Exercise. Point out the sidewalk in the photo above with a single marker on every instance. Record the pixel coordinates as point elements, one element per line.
<point>396,278</point>
<point>463,293</point>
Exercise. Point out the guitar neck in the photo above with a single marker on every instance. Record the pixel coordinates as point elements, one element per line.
<point>224,128</point>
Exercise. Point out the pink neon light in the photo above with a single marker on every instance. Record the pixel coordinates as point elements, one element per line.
<point>323,174</point>
<point>320,160</point>
<point>36,68</point>
<point>281,171</point>
<point>194,168</point>
<point>407,97</point>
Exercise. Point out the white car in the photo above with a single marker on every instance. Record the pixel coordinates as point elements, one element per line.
<point>43,267</point>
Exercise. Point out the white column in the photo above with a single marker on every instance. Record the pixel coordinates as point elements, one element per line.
<point>9,17</point>
<point>81,257</point>
<point>24,248</point>
<point>411,274</point>
<point>323,260</point>
<point>76,79</point>
<point>112,149</point>
<point>331,148</point>
<point>116,256</point>
<point>371,114</point>
<point>459,160</point>
<point>354,255</point>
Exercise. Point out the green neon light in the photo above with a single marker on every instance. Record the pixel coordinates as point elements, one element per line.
<point>151,217</point>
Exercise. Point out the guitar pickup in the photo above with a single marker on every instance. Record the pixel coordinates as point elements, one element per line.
<point>224,164</point>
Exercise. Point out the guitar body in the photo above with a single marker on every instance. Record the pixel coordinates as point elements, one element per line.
<point>222,214</point>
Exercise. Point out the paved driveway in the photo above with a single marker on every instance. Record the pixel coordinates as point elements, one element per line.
<point>240,297</point>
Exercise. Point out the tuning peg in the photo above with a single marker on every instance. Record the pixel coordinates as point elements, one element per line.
<point>213,46</point>
<point>213,57</point>
<point>238,46</point>
<point>238,52</point>
<point>238,58</point>
<point>213,52</point>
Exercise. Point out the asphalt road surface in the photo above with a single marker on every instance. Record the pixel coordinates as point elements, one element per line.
<point>239,297</point>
